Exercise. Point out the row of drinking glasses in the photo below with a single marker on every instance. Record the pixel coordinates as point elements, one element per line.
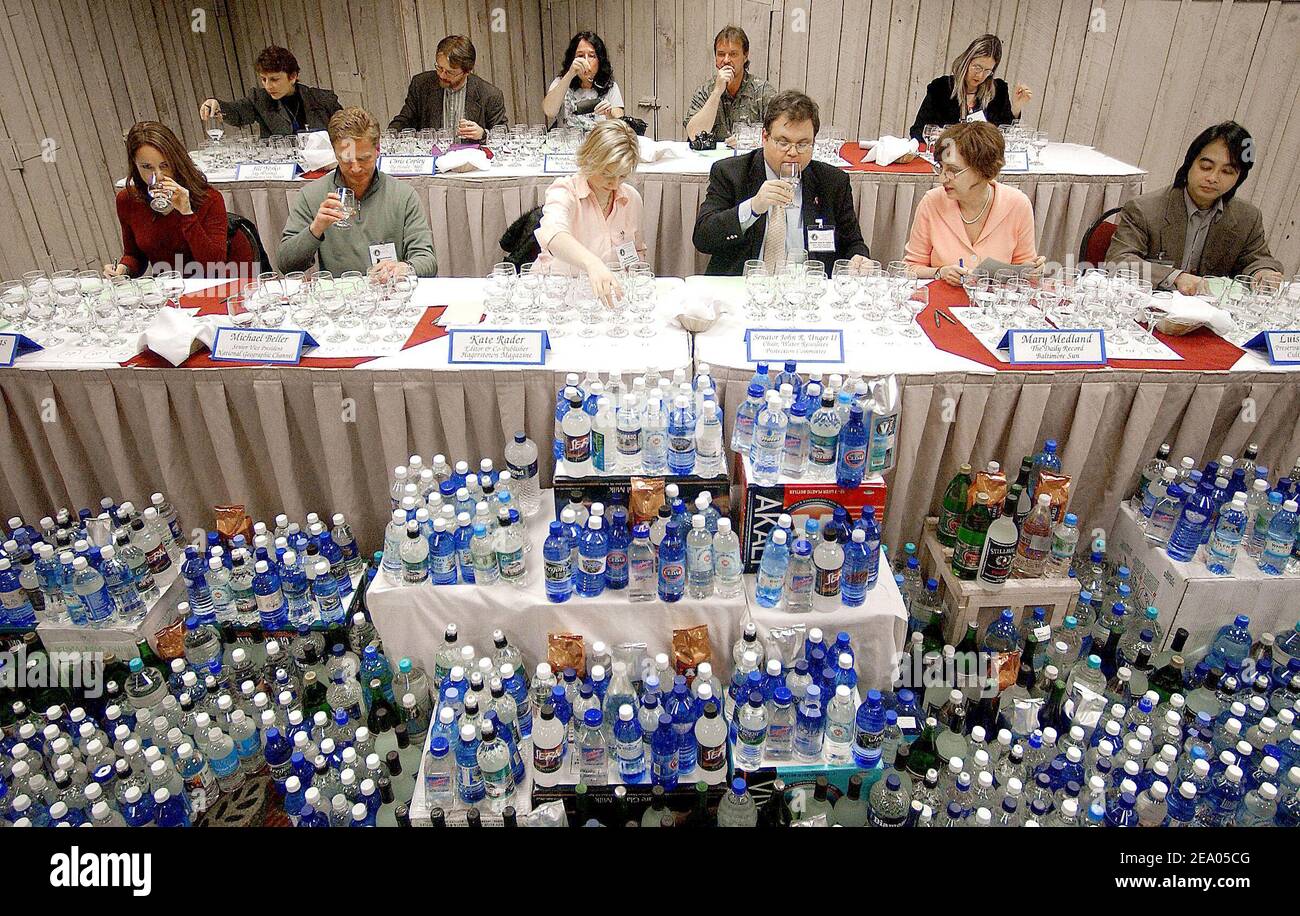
<point>83,306</point>
<point>887,297</point>
<point>537,296</point>
<point>414,142</point>
<point>525,145</point>
<point>230,152</point>
<point>1259,305</point>
<point>1015,136</point>
<point>330,308</point>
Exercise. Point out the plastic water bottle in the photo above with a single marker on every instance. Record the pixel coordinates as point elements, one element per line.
<point>394,538</point>
<point>604,438</point>
<point>799,578</point>
<point>1165,514</point>
<point>851,453</point>
<point>1192,524</point>
<point>789,376</point>
<point>727,565</point>
<point>616,571</point>
<point>1280,540</point>
<point>708,441</point>
<point>642,577</point>
<point>857,571</point>
<point>681,436</point>
<point>1225,543</point>
<point>768,448</point>
<point>1046,460</point>
<point>89,587</point>
<point>593,547</point>
<point>521,460</point>
<point>559,570</point>
<point>742,433</point>
<point>442,554</point>
<point>576,427</point>
<point>272,611</point>
<point>18,610</point>
<point>871,541</point>
<point>562,408</point>
<point>771,569</point>
<point>794,462</point>
<point>1261,518</point>
<point>699,560</point>
<point>629,435</point>
<point>751,733</point>
<point>654,437</point>
<point>1231,644</point>
<point>1065,540</point>
<point>869,731</point>
<point>672,564</point>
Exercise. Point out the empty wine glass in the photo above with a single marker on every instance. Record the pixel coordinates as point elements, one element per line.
<point>844,283</point>
<point>366,306</point>
<point>589,308</point>
<point>13,303</point>
<point>916,304</point>
<point>759,289</point>
<point>816,283</point>
<point>793,290</point>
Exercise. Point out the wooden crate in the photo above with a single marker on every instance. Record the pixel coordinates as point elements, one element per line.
<point>968,601</point>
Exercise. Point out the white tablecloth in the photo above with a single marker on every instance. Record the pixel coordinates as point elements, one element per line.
<point>411,619</point>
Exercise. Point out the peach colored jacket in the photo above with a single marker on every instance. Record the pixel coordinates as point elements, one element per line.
<point>571,207</point>
<point>938,236</point>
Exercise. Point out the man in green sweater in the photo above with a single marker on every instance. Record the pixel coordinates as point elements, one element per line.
<point>387,232</point>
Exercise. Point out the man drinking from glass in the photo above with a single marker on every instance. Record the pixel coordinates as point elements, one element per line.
<point>775,203</point>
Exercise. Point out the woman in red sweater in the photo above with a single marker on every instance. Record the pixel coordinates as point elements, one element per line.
<point>170,215</point>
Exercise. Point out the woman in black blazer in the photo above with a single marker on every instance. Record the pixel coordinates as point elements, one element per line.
<point>982,92</point>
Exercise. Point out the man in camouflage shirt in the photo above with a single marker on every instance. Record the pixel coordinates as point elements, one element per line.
<point>732,96</point>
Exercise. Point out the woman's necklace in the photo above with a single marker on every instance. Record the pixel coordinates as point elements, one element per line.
<point>988,200</point>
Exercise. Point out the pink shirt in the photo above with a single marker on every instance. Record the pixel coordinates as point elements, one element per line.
<point>571,207</point>
<point>939,238</point>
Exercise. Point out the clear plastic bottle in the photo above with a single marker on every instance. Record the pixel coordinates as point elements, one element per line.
<point>521,460</point>
<point>799,578</point>
<point>699,560</point>
<point>1225,542</point>
<point>828,562</point>
<point>772,569</point>
<point>840,715</point>
<point>642,575</point>
<point>1065,540</point>
<point>794,460</point>
<point>766,453</point>
<point>737,808</point>
<point>593,752</point>
<point>654,437</point>
<point>1035,541</point>
<point>709,460</point>
<point>727,565</point>
<point>750,733</point>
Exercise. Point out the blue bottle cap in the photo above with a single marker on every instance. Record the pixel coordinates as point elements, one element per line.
<point>665,720</point>
<point>906,696</point>
<point>782,696</point>
<point>191,622</point>
<point>756,698</point>
<point>954,811</point>
<point>755,390</point>
<point>1007,615</point>
<point>591,718</point>
<point>557,691</point>
<point>1242,620</point>
<point>438,746</point>
<point>738,786</point>
<point>892,782</point>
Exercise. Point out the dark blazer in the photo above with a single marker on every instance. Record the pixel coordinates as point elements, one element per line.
<point>272,117</point>
<point>1152,229</point>
<point>939,107</point>
<point>485,104</point>
<point>732,181</point>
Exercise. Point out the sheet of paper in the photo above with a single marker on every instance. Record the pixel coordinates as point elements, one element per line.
<point>460,313</point>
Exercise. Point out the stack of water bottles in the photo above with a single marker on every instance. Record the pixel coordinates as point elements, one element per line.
<point>824,567</point>
<point>1220,511</point>
<point>682,553</point>
<point>451,526</point>
<point>806,429</point>
<point>657,426</point>
<point>164,745</point>
<point>88,570</point>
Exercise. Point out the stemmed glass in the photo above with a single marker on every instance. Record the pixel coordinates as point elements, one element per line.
<point>792,289</point>
<point>528,292</point>
<point>815,281</point>
<point>642,278</point>
<point>555,296</point>
<point>930,135</point>
<point>1038,143</point>
<point>101,308</point>
<point>916,304</point>
<point>13,303</point>
<point>589,308</point>
<point>759,288</point>
<point>366,305</point>
<point>497,292</point>
<point>844,281</point>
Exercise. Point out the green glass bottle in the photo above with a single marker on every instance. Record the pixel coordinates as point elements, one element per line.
<point>922,755</point>
<point>971,534</point>
<point>1168,679</point>
<point>150,658</point>
<point>313,696</point>
<point>932,639</point>
<point>953,507</point>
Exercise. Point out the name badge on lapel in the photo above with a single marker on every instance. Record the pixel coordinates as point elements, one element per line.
<point>385,251</point>
<point>819,237</point>
<point>627,253</point>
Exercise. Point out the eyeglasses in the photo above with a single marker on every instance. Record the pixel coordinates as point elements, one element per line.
<point>982,71</point>
<point>947,172</point>
<point>785,146</point>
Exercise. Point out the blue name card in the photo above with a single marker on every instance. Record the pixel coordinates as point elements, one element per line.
<point>260,345</point>
<point>1015,161</point>
<point>406,165</point>
<point>560,163</point>
<point>1281,347</point>
<point>1082,347</point>
<point>807,345</point>
<point>13,346</point>
<point>498,346</point>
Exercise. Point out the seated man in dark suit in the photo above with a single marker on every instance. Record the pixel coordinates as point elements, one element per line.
<point>1198,227</point>
<point>280,106</point>
<point>451,96</point>
<point>751,212</point>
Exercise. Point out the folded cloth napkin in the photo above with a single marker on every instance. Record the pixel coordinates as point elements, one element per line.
<point>174,334</point>
<point>698,315</point>
<point>888,150</point>
<point>649,150</point>
<point>316,151</point>
<point>1187,313</point>
<point>469,159</point>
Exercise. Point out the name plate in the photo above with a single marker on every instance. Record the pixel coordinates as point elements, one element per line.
<point>406,165</point>
<point>1078,347</point>
<point>807,345</point>
<point>560,163</point>
<point>266,171</point>
<point>13,346</point>
<point>216,175</point>
<point>1282,347</point>
<point>260,345</point>
<point>498,346</point>
<point>1015,161</point>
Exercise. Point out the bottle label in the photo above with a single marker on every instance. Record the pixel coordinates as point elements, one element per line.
<point>801,583</point>
<point>822,449</point>
<point>511,563</point>
<point>672,573</point>
<point>949,522</point>
<point>1035,546</point>
<point>655,442</point>
<point>663,768</point>
<point>469,782</point>
<point>997,561</point>
<point>593,760</point>
<point>838,733</point>
<point>599,459</point>
<point>712,759</point>
<point>500,782</point>
<point>878,819</point>
<point>225,767</point>
<point>437,783</point>
<point>522,471</point>
<point>827,582</point>
<point>681,444</point>
<point>779,737</point>
<point>629,442</point>
<point>249,746</point>
<point>270,604</point>
<point>577,449</point>
<point>642,570</point>
<point>616,566</point>
<point>442,564</point>
<point>854,458</point>
<point>558,570</point>
<point>158,559</point>
<point>726,565</point>
<point>770,438</point>
<point>966,557</point>
<point>14,600</point>
<point>411,573</point>
<point>592,566</point>
<point>198,786</point>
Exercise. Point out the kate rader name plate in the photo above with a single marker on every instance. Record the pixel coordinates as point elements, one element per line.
<point>497,347</point>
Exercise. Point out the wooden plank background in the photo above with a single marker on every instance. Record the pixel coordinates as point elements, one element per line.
<point>1135,78</point>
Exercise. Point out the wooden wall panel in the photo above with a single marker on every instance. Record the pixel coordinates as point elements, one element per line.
<point>1137,78</point>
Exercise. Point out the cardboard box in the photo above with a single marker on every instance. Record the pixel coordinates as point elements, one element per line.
<point>600,487</point>
<point>760,506</point>
<point>119,640</point>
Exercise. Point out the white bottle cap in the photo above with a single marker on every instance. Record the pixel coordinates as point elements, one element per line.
<point>724,524</point>
<point>697,521</point>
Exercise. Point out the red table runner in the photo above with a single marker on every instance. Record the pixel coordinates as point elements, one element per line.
<point>853,152</point>
<point>1201,350</point>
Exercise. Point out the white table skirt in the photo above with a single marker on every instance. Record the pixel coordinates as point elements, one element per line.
<point>411,619</point>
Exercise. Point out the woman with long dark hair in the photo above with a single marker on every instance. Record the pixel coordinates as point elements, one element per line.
<point>971,88</point>
<point>169,213</point>
<point>585,88</point>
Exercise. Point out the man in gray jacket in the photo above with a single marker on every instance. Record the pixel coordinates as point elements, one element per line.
<point>281,106</point>
<point>386,230</point>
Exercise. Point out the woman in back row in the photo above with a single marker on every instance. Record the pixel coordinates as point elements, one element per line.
<point>971,92</point>
<point>585,89</point>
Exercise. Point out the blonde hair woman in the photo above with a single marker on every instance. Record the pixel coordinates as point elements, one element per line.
<point>971,88</point>
<point>593,218</point>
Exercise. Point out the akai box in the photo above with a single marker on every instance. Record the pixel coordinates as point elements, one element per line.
<point>642,494</point>
<point>802,499</point>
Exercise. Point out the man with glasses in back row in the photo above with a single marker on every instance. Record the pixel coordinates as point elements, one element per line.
<point>451,96</point>
<point>752,212</point>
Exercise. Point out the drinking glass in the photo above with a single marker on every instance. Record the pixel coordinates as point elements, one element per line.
<point>844,281</point>
<point>555,299</point>
<point>65,292</point>
<point>816,284</point>
<point>930,134</point>
<point>350,283</point>
<point>642,276</point>
<point>348,200</point>
<point>790,173</point>
<point>1038,143</point>
<point>366,306</point>
<point>589,308</point>
<point>758,287</point>
<point>793,290</point>
<point>13,303</point>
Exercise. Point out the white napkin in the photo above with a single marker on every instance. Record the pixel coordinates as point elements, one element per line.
<point>1187,313</point>
<point>888,150</point>
<point>649,150</point>
<point>174,334</point>
<point>469,159</point>
<point>316,151</point>
<point>698,315</point>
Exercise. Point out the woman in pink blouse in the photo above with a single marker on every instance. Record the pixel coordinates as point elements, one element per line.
<point>593,218</point>
<point>970,218</point>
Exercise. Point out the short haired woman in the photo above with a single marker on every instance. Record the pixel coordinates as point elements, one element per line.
<point>970,218</point>
<point>170,216</point>
<point>585,87</point>
<point>971,88</point>
<point>593,218</point>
